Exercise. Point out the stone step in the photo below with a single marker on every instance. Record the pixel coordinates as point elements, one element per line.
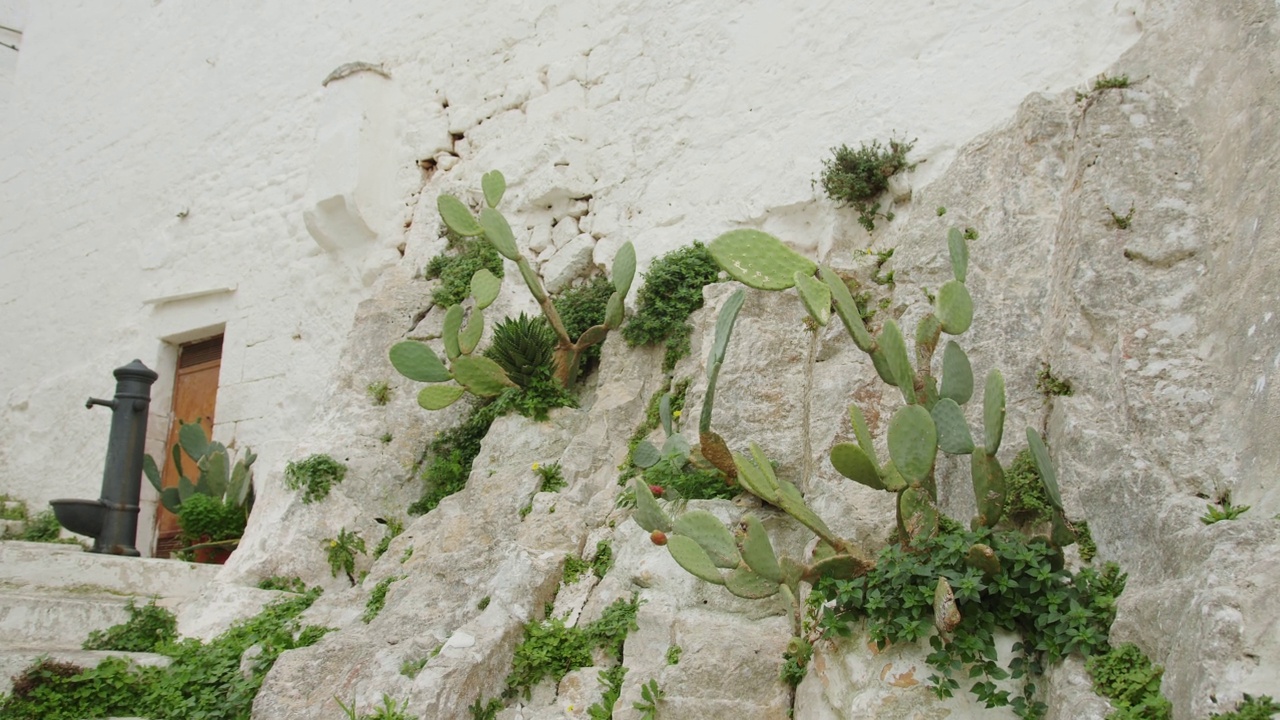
<point>27,567</point>
<point>57,621</point>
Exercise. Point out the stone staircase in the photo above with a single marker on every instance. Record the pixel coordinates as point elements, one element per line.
<point>52,596</point>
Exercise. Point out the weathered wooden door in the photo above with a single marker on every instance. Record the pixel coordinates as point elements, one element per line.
<point>195,394</point>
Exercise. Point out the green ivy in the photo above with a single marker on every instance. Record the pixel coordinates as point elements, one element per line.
<point>314,476</point>
<point>1055,612</point>
<point>1127,678</point>
<point>672,290</point>
<point>550,649</point>
<point>205,681</point>
<point>148,628</point>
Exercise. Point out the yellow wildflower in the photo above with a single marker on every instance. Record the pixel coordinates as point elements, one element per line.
<point>536,467</point>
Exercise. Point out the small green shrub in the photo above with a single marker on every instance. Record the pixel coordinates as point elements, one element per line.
<point>209,519</point>
<point>484,603</point>
<point>286,584</point>
<point>314,476</point>
<point>1225,511</point>
<point>1049,385</point>
<point>1084,541</point>
<point>147,629</point>
<point>672,290</point>
<point>1107,83</point>
<point>379,392</point>
<point>603,560</point>
<point>611,679</point>
<point>15,511</point>
<point>449,458</point>
<point>455,266</point>
<point>411,668</point>
<point>1126,677</point>
<point>342,553</point>
<point>795,661</point>
<point>574,568</point>
<point>550,649</point>
<point>388,710</point>
<point>858,177</point>
<point>378,598</point>
<point>1025,500</point>
<point>42,527</point>
<point>1121,222</point>
<point>552,477</point>
<point>673,654</point>
<point>650,696</point>
<point>394,528</point>
<point>1251,708</point>
<point>480,711</point>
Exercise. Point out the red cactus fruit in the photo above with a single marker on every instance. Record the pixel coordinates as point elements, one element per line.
<point>658,537</point>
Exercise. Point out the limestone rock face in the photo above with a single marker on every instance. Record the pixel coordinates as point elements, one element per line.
<point>1165,329</point>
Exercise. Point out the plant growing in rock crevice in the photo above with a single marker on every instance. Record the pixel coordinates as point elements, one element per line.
<point>859,177</point>
<point>743,559</point>
<point>672,290</point>
<point>482,376</point>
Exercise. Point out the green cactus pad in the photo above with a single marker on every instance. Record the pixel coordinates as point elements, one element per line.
<point>418,362</point>
<point>452,324</point>
<point>917,516</point>
<point>988,488</point>
<point>759,260</point>
<point>171,500</point>
<point>762,461</point>
<point>676,446</point>
<point>441,396</point>
<point>955,307</point>
<point>591,336</point>
<point>815,295</point>
<point>847,309</point>
<point>484,288</point>
<point>892,479</point>
<point>757,550</point>
<point>498,232</point>
<point>959,253</point>
<point>482,376</point>
<point>624,268</point>
<point>152,472</point>
<point>792,572</point>
<point>852,462</point>
<point>693,558</point>
<point>863,434</point>
<point>753,480</point>
<point>471,334</point>
<point>748,585</point>
<point>838,567</point>
<point>716,451</point>
<point>185,488</point>
<point>649,515</point>
<point>724,325</point>
<point>214,472</point>
<point>993,411</point>
<point>913,442</point>
<point>957,374</point>
<point>193,440</point>
<point>614,311</point>
<point>240,486</point>
<point>792,502</point>
<point>457,216</point>
<point>706,529</point>
<point>946,616</point>
<point>494,186</point>
<point>1048,476</point>
<point>983,558</point>
<point>953,431</point>
<point>1061,534</point>
<point>645,455</point>
<point>531,280</point>
<point>898,364</point>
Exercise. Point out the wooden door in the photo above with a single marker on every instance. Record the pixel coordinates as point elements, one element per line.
<point>195,393</point>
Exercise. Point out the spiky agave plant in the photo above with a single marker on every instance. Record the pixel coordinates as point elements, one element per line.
<point>523,346</point>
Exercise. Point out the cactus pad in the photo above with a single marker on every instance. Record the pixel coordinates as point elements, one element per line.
<point>693,558</point>
<point>757,550</point>
<point>753,480</point>
<point>993,411</point>
<point>449,334</point>
<point>471,334</point>
<point>438,397</point>
<point>957,374</point>
<point>457,216</point>
<point>838,567</point>
<point>959,250</point>
<point>983,558</point>
<point>624,268</point>
<point>531,280</point>
<point>893,480</point>
<point>852,462</point>
<point>649,515</point>
<point>953,431</point>
<point>913,442</point>
<point>759,260</point>
<point>614,311</point>
<point>418,362</point>
<point>815,295</point>
<point>897,365</point>
<point>724,325</point>
<point>706,529</point>
<point>1048,477</point>
<point>482,376</point>
<point>863,434</point>
<point>792,502</point>
<point>946,616</point>
<point>498,232</point>
<point>748,585</point>
<point>716,451</point>
<point>645,455</point>
<point>988,488</point>
<point>494,186</point>
<point>955,307</point>
<point>917,516</point>
<point>847,309</point>
<point>484,288</point>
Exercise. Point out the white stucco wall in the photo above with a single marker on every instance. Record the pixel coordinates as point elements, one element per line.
<point>168,168</point>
